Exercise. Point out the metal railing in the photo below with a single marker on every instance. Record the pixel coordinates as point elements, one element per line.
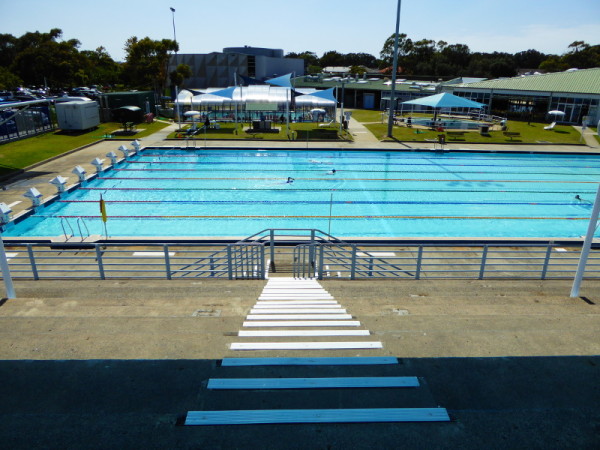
<point>435,261</point>
<point>301,252</point>
<point>147,261</point>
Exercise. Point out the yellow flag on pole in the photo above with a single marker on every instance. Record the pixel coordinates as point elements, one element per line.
<point>103,209</point>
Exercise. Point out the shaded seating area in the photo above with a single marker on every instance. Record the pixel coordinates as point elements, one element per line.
<point>129,116</point>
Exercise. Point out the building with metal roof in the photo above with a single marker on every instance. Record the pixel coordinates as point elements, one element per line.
<point>574,92</point>
<point>369,93</point>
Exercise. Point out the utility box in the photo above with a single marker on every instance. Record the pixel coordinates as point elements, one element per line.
<point>77,115</point>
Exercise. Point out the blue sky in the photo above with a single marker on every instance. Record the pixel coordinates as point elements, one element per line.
<point>316,25</point>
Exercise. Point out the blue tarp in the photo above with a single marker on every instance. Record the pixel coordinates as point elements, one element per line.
<point>445,100</point>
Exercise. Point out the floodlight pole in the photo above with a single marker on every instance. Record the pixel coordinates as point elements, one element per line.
<point>587,245</point>
<point>394,72</point>
<point>176,91</point>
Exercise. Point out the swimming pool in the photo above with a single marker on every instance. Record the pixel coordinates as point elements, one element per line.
<point>170,192</point>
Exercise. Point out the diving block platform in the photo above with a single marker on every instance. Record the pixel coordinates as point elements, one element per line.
<point>273,416</point>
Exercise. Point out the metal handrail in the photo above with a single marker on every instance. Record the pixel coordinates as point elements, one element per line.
<point>62,224</point>
<point>80,221</point>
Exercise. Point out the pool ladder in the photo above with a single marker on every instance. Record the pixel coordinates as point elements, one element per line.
<point>80,222</point>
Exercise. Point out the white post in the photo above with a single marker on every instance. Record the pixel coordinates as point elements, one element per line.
<point>287,114</point>
<point>587,245</point>
<point>177,107</point>
<point>8,283</point>
<point>236,102</point>
<point>342,110</point>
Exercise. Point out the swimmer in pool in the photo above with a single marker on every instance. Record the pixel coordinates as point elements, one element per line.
<point>290,180</point>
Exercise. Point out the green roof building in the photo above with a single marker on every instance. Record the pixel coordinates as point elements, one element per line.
<point>368,93</point>
<point>574,92</point>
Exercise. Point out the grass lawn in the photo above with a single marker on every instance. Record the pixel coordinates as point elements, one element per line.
<point>531,134</point>
<point>299,131</point>
<point>20,154</point>
<point>366,116</point>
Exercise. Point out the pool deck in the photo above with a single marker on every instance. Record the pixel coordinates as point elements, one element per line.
<point>114,364</point>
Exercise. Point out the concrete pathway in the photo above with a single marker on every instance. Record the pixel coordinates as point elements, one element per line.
<point>588,137</point>
<point>360,133</point>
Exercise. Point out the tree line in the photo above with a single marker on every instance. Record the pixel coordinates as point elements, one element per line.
<point>427,57</point>
<point>45,59</point>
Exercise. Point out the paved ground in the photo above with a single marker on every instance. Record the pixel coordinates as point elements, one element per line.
<point>114,364</point>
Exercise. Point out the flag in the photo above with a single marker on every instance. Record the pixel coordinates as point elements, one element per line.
<point>103,209</point>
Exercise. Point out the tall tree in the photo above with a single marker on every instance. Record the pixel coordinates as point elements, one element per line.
<point>332,58</point>
<point>179,75</point>
<point>41,58</point>
<point>100,67</point>
<point>146,62</point>
<point>8,49</point>
<point>310,58</point>
<point>8,80</point>
<point>529,59</point>
<point>360,59</point>
<point>405,46</point>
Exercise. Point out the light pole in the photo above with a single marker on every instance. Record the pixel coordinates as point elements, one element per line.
<point>174,34</point>
<point>176,90</point>
<point>394,72</point>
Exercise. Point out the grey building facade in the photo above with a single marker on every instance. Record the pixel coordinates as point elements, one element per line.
<point>218,69</point>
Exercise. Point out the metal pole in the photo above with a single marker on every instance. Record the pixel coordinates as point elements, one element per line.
<point>176,91</point>
<point>342,110</point>
<point>8,282</point>
<point>177,107</point>
<point>174,35</point>
<point>394,72</point>
<point>330,209</point>
<point>587,245</point>
<point>287,115</point>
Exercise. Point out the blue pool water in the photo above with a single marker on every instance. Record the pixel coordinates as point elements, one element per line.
<point>196,193</point>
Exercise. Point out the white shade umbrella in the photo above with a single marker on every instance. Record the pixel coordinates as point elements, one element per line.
<point>556,112</point>
<point>317,111</point>
<point>192,113</point>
